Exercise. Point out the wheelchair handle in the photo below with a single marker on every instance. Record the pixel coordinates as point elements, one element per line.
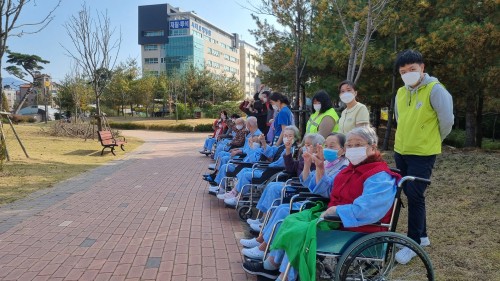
<point>412,178</point>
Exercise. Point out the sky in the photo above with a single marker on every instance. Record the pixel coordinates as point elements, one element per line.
<point>226,14</point>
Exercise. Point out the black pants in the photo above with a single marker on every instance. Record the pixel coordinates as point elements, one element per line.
<point>418,166</point>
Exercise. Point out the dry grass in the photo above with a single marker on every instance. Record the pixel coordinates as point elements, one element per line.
<point>52,159</point>
<point>463,215</point>
<point>158,121</point>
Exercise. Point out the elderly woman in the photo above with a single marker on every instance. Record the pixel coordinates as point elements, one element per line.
<point>220,127</point>
<point>273,189</point>
<point>363,193</point>
<point>329,161</point>
<point>245,175</point>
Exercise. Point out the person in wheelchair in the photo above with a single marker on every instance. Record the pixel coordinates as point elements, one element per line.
<point>220,127</point>
<point>363,193</point>
<point>244,177</point>
<point>319,181</point>
<point>224,156</point>
<point>226,138</point>
<point>272,191</point>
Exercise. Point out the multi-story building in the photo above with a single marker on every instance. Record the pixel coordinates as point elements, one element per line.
<point>43,89</point>
<point>11,96</point>
<point>249,61</point>
<point>173,40</point>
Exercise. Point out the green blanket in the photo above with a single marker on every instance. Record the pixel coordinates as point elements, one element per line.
<point>297,236</point>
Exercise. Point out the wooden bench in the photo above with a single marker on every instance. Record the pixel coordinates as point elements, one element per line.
<point>108,141</point>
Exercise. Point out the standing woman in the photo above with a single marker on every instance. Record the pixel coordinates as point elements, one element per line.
<point>283,118</point>
<point>355,114</point>
<point>324,119</point>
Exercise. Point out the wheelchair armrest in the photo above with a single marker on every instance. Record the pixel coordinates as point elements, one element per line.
<point>412,178</point>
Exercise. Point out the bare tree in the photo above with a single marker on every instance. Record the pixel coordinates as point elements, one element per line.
<point>10,10</point>
<point>373,16</point>
<point>95,50</point>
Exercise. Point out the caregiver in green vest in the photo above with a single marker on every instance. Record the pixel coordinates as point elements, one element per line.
<point>424,113</point>
<point>324,119</point>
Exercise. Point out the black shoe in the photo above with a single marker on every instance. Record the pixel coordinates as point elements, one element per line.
<point>257,268</point>
<point>212,182</point>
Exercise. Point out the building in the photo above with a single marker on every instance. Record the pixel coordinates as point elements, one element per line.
<point>249,62</point>
<point>44,85</point>
<point>11,96</point>
<point>172,40</point>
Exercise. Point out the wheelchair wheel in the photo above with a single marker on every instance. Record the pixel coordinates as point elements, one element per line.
<point>244,212</point>
<point>372,257</point>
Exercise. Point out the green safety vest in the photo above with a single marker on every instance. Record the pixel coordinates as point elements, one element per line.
<point>418,124</point>
<point>315,120</point>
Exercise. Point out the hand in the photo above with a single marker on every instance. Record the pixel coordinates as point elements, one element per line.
<point>332,211</point>
<point>271,120</point>
<point>307,158</point>
<point>319,157</point>
<point>261,87</point>
<point>262,138</point>
<point>234,152</point>
<point>289,143</point>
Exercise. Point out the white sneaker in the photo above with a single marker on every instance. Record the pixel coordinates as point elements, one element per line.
<point>253,253</point>
<point>249,243</point>
<point>424,242</point>
<point>251,221</point>
<point>211,166</point>
<point>231,201</point>
<point>227,195</point>
<point>256,227</point>
<point>405,255</point>
<point>213,188</point>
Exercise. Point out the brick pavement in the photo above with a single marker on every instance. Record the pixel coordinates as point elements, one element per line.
<point>145,217</point>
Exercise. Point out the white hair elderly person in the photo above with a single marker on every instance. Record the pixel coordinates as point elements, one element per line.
<point>362,194</point>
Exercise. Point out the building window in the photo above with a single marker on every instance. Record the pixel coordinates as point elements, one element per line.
<point>178,32</point>
<point>162,60</point>
<point>153,33</point>
<point>151,60</point>
<point>150,47</point>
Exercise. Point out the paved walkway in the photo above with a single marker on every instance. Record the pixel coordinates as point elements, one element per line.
<point>146,217</point>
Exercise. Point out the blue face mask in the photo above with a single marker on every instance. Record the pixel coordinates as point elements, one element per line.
<point>330,154</point>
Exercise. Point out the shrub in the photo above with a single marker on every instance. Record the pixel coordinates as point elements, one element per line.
<point>212,111</point>
<point>203,128</point>
<point>456,138</point>
<point>22,119</point>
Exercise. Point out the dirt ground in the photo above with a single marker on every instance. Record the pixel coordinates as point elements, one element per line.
<point>463,215</point>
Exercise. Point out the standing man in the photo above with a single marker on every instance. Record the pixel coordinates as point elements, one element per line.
<point>424,113</point>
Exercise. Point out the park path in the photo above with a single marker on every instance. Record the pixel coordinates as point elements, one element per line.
<point>145,217</point>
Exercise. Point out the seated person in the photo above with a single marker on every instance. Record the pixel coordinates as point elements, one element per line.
<point>220,127</point>
<point>293,167</point>
<point>319,182</point>
<point>244,177</point>
<point>226,138</point>
<point>363,193</point>
<point>224,156</point>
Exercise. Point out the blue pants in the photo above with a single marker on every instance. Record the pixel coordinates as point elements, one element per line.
<point>221,146</point>
<point>222,172</point>
<point>280,213</point>
<point>223,159</point>
<point>209,142</point>
<point>418,166</point>
<point>270,193</point>
<point>245,177</point>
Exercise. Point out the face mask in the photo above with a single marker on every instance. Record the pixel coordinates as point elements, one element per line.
<point>304,149</point>
<point>222,116</point>
<point>285,140</point>
<point>411,78</point>
<point>317,107</point>
<point>256,145</point>
<point>356,155</point>
<point>330,154</point>
<point>239,127</point>
<point>346,97</point>
<point>275,107</point>
<point>264,100</point>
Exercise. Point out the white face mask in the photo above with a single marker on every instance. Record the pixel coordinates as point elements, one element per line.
<point>317,106</point>
<point>255,145</point>
<point>285,140</point>
<point>346,97</point>
<point>411,78</point>
<point>264,100</point>
<point>239,127</point>
<point>275,107</point>
<point>356,155</point>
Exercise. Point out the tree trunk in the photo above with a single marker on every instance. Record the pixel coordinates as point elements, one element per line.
<point>470,123</point>
<point>352,57</point>
<point>479,119</point>
<point>98,113</point>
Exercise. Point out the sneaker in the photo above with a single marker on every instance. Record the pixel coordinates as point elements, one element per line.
<point>213,189</point>
<point>257,268</point>
<point>231,201</point>
<point>211,166</point>
<point>424,242</point>
<point>249,243</point>
<point>253,253</point>
<point>405,255</point>
<point>226,195</point>
<point>256,227</point>
<point>251,221</point>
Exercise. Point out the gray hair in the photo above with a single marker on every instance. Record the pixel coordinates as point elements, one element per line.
<point>365,132</point>
<point>315,139</point>
<point>252,121</point>
<point>294,129</point>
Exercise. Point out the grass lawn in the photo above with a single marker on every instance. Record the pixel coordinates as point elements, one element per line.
<point>52,159</point>
<point>463,215</point>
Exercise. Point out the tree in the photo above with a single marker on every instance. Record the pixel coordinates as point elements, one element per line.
<point>119,88</point>
<point>74,93</point>
<point>30,64</point>
<point>95,50</point>
<point>9,15</point>
<point>5,103</point>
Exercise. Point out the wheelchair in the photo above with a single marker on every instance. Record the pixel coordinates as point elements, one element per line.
<point>355,256</point>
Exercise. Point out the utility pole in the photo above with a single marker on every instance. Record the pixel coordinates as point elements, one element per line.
<point>45,85</point>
